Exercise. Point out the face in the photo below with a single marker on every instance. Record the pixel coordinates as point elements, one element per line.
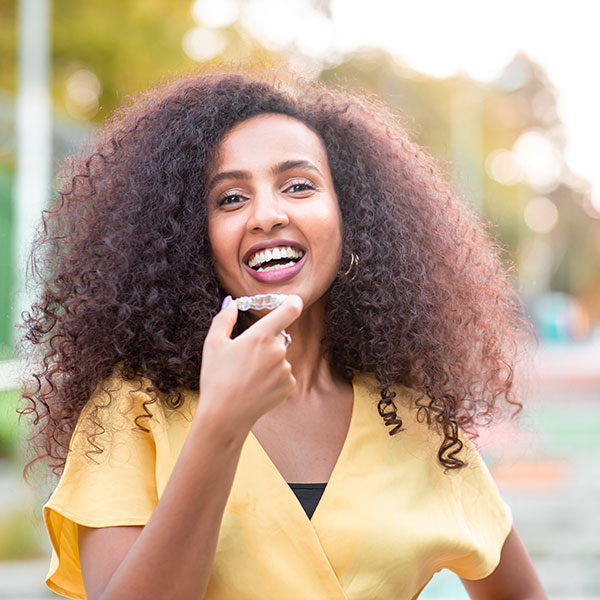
<point>274,222</point>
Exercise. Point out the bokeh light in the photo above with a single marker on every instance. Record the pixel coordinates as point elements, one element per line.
<point>215,14</point>
<point>502,166</point>
<point>83,91</point>
<point>202,43</point>
<point>541,214</point>
<point>539,159</point>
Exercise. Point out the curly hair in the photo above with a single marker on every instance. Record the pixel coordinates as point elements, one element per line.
<point>421,298</point>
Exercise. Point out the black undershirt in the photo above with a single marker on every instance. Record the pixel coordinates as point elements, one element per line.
<point>308,495</point>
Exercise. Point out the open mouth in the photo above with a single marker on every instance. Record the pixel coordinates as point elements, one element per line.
<point>274,259</point>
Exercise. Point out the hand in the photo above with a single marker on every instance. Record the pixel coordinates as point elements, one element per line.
<point>242,379</point>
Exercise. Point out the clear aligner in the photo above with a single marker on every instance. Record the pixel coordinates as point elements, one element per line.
<point>260,301</point>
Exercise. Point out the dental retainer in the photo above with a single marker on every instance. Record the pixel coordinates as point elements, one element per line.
<point>260,301</point>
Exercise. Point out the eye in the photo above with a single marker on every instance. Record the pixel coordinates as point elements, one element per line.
<point>230,199</point>
<point>300,186</point>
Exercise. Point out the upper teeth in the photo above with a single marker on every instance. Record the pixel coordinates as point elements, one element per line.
<point>263,256</point>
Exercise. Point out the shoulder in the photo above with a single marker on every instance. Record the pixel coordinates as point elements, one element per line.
<point>419,429</point>
<point>408,401</point>
<point>116,404</point>
<point>127,410</point>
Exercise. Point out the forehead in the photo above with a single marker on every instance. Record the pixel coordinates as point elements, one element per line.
<point>269,138</point>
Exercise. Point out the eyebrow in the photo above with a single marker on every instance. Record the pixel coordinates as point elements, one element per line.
<point>282,167</point>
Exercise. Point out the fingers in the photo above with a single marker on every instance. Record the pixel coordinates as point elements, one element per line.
<point>223,323</point>
<point>279,318</point>
<point>271,324</point>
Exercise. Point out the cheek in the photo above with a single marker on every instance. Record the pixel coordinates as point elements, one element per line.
<point>221,245</point>
<point>326,227</point>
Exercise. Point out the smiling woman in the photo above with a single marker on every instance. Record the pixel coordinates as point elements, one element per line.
<point>203,454</point>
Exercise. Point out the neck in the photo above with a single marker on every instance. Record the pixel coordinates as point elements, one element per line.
<point>309,364</point>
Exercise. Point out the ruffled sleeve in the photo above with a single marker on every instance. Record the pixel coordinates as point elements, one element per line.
<point>101,489</point>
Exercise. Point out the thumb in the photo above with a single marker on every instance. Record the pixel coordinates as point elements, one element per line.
<point>223,323</point>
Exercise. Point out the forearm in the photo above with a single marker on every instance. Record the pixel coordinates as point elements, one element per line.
<point>173,555</point>
<point>513,579</point>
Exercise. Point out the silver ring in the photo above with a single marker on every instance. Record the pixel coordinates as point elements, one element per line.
<point>287,337</point>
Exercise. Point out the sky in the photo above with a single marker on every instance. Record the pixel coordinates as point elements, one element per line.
<point>442,38</point>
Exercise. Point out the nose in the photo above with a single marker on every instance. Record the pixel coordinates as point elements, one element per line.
<point>267,213</point>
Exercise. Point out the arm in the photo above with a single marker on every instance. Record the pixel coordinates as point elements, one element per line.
<point>513,579</point>
<point>172,556</point>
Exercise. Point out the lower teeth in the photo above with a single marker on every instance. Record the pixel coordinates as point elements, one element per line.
<point>276,267</point>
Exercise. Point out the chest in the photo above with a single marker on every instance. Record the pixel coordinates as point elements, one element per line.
<point>304,441</point>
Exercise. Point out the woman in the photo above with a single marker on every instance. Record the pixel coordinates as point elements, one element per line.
<point>197,427</point>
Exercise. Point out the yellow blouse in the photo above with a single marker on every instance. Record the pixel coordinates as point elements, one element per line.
<point>390,516</point>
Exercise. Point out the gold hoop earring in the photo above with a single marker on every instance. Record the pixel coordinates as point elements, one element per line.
<point>354,260</point>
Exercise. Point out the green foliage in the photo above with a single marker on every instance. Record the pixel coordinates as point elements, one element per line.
<point>20,535</point>
<point>128,45</point>
<point>8,45</point>
<point>20,523</point>
<point>9,424</point>
<point>6,268</point>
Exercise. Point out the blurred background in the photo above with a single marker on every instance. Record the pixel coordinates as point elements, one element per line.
<point>506,95</point>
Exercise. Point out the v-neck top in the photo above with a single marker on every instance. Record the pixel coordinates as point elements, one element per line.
<point>389,517</point>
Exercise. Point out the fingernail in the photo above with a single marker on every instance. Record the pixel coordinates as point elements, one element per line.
<point>226,302</point>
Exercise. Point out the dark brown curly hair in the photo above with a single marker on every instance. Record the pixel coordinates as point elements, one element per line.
<point>128,280</point>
